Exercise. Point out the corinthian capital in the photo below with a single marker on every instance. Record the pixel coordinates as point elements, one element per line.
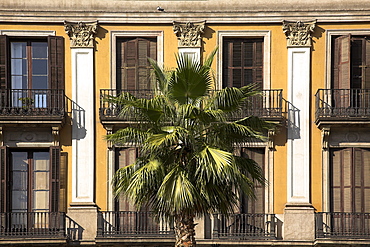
<point>81,34</point>
<point>299,34</point>
<point>189,33</point>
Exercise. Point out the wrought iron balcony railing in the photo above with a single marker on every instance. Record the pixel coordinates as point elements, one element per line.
<point>268,104</point>
<point>132,224</point>
<point>32,102</point>
<point>342,225</point>
<point>342,103</point>
<point>32,225</point>
<point>244,226</point>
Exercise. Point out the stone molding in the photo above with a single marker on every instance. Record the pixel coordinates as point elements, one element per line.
<point>325,132</point>
<point>189,33</point>
<point>81,34</point>
<point>299,34</point>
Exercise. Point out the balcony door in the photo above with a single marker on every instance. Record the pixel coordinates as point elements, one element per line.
<point>29,73</point>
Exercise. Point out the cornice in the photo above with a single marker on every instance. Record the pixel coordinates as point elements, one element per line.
<point>151,17</point>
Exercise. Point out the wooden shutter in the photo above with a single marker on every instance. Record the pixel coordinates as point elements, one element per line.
<point>55,178</point>
<point>242,62</point>
<point>56,62</point>
<point>133,70</point>
<point>3,179</point>
<point>256,206</point>
<point>4,71</point>
<point>350,171</point>
<point>125,157</point>
<point>342,70</point>
<point>63,182</point>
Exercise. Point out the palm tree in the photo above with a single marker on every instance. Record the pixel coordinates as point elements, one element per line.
<point>186,167</point>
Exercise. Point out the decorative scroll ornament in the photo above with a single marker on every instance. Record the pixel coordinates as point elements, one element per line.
<point>271,133</point>
<point>81,34</point>
<point>325,132</point>
<point>299,33</point>
<point>189,33</point>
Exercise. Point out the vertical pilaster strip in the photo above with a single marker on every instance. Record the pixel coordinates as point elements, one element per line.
<point>298,208</point>
<point>111,169</point>
<point>299,62</point>
<point>82,36</point>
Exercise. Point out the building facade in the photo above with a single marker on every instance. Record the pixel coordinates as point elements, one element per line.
<point>59,59</point>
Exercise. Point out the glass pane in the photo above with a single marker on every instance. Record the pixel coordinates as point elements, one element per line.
<point>19,200</point>
<point>18,49</point>
<point>41,180</point>
<point>19,67</point>
<point>41,161</point>
<point>39,82</point>
<point>19,82</point>
<point>40,200</point>
<point>20,178</point>
<point>39,66</point>
<point>39,50</point>
<point>19,161</point>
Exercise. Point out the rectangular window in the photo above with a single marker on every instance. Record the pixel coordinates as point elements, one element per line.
<point>351,71</point>
<point>133,71</point>
<point>30,180</point>
<point>31,71</point>
<point>242,62</point>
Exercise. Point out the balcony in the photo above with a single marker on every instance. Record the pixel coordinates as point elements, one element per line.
<point>267,105</point>
<point>32,106</point>
<point>136,226</point>
<point>27,226</point>
<point>343,225</point>
<point>244,227</point>
<point>342,106</point>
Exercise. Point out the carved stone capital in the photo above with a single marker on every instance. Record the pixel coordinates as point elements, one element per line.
<point>81,34</point>
<point>55,133</point>
<point>325,132</point>
<point>299,34</point>
<point>189,33</point>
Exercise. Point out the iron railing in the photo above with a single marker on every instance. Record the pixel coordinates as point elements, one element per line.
<point>343,103</point>
<point>268,104</point>
<point>32,102</point>
<point>33,224</point>
<point>132,224</point>
<point>244,226</point>
<point>342,225</point>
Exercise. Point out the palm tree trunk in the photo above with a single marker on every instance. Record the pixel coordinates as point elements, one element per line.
<point>184,230</point>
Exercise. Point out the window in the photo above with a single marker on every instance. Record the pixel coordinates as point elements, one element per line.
<point>350,184</point>
<point>242,62</point>
<point>133,70</point>
<point>30,180</point>
<point>351,71</point>
<point>248,205</point>
<point>31,70</point>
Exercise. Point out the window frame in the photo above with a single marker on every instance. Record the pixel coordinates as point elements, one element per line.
<point>265,34</point>
<point>330,33</point>
<point>127,34</point>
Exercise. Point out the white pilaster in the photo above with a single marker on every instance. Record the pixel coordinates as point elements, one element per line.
<point>83,153</point>
<point>299,124</point>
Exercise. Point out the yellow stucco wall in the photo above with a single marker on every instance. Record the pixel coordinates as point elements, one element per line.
<point>279,72</point>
